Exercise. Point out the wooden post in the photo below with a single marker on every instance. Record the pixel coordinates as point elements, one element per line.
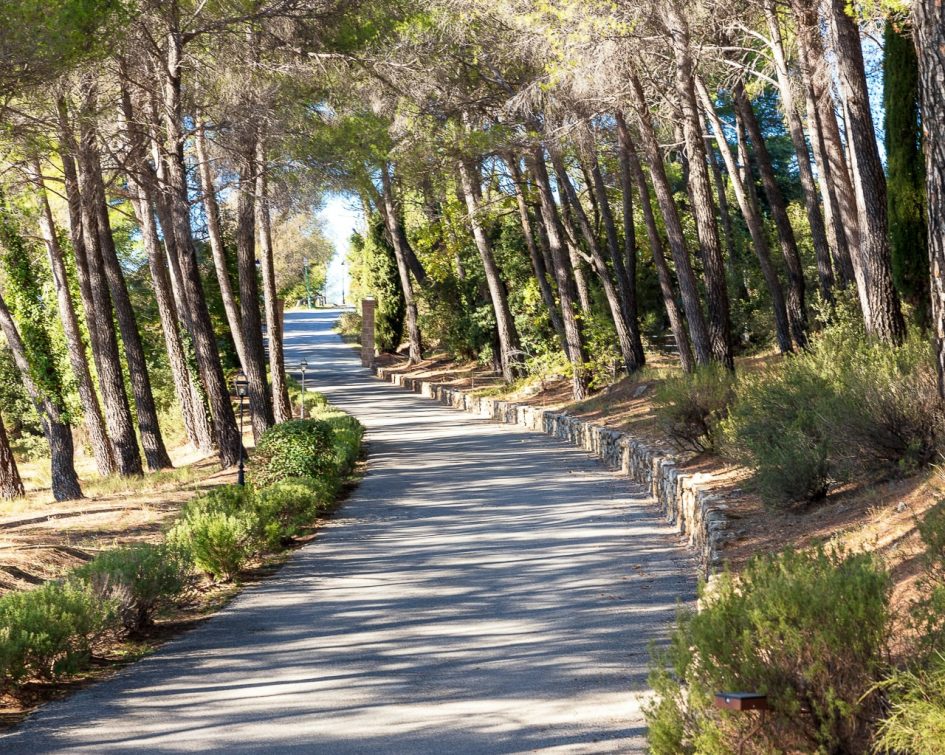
<point>367,331</point>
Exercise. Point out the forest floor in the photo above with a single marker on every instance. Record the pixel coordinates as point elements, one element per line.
<point>878,516</point>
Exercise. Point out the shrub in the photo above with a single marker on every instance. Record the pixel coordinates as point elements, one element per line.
<point>297,448</point>
<point>807,629</point>
<point>915,722</point>
<point>137,579</point>
<point>284,508</point>
<point>49,631</point>
<point>218,531</point>
<point>690,407</point>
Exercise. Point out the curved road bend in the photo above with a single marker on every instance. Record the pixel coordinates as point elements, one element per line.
<point>484,590</point>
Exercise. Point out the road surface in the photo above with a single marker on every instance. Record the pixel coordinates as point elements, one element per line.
<point>484,590</point>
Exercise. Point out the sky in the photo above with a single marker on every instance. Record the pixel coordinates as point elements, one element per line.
<point>341,215</point>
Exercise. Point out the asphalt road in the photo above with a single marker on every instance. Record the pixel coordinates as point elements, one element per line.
<point>484,590</point>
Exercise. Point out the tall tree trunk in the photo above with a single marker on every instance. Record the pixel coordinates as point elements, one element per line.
<point>871,262</point>
<point>797,310</point>
<point>688,287</point>
<point>569,195</point>
<point>75,346</point>
<point>626,285</point>
<point>11,486</point>
<point>98,313</point>
<point>815,218</point>
<point>536,256</point>
<point>567,295</point>
<point>929,24</point>
<point>185,266</point>
<point>905,170</point>
<point>388,209</point>
<point>676,323</point>
<point>755,227</point>
<point>281,408</point>
<point>215,234</point>
<point>509,357</point>
<point>260,404</point>
<point>728,231</point>
<point>703,209</point>
<point>155,453</point>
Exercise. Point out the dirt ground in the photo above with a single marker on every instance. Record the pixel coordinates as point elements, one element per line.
<point>879,517</point>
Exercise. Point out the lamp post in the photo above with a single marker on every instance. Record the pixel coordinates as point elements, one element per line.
<point>304,366</point>
<point>308,290</point>
<point>242,390</point>
<point>342,283</point>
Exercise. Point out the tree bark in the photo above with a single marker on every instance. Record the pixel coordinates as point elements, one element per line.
<point>703,209</point>
<point>815,218</point>
<point>688,287</point>
<point>624,339</point>
<point>155,452</point>
<point>11,486</point>
<point>574,338</point>
<point>75,346</point>
<point>388,209</point>
<point>281,408</point>
<point>871,261</point>
<point>929,23</point>
<point>217,249</point>
<point>676,323</point>
<point>65,481</point>
<point>260,404</point>
<point>797,310</point>
<point>755,227</point>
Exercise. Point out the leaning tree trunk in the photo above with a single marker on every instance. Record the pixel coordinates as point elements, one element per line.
<point>75,346</point>
<point>871,262</point>
<point>688,288</point>
<point>281,408</point>
<point>260,404</point>
<point>629,355</point>
<point>797,311</point>
<point>534,253</point>
<point>929,21</point>
<point>198,315</point>
<point>676,323</point>
<point>509,358</point>
<point>755,226</point>
<point>703,209</point>
<point>155,452</point>
<point>217,249</point>
<point>388,209</point>
<point>574,338</point>
<point>815,218</point>
<point>623,260</point>
<point>728,231</point>
<point>11,486</point>
<point>98,313</point>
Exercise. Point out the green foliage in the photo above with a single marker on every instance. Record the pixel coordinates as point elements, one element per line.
<point>905,167</point>
<point>809,630</point>
<point>848,406</point>
<point>297,448</point>
<point>691,406</point>
<point>137,579</point>
<point>349,326</point>
<point>284,508</point>
<point>376,256</point>
<point>915,722</point>
<point>48,632</point>
<point>218,531</point>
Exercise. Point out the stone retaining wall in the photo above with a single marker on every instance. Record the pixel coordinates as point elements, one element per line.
<point>683,499</point>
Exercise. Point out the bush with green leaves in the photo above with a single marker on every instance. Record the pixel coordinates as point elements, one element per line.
<point>218,531</point>
<point>809,630</point>
<point>137,579</point>
<point>915,721</point>
<point>297,448</point>
<point>49,631</point>
<point>690,407</point>
<point>847,407</point>
<point>284,508</point>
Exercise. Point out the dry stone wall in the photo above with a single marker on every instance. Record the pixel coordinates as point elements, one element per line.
<point>685,500</point>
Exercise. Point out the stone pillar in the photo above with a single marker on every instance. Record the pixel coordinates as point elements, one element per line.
<point>367,331</point>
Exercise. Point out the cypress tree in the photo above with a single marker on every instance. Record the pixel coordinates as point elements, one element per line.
<point>385,282</point>
<point>905,170</point>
